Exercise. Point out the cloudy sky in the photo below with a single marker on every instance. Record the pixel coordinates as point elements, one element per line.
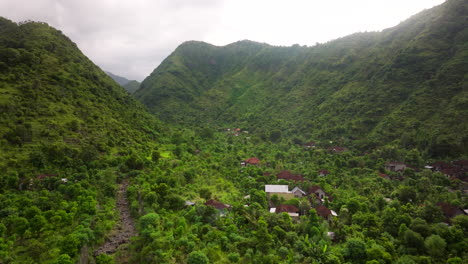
<point>131,37</point>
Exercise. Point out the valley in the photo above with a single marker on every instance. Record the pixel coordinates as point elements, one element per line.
<point>351,151</point>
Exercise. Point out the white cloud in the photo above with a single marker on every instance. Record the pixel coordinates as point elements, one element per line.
<point>131,37</point>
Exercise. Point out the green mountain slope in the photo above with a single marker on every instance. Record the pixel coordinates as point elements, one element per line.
<point>119,79</point>
<point>132,86</point>
<point>403,85</point>
<point>67,131</point>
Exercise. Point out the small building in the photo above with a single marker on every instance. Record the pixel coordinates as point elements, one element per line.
<point>326,213</point>
<point>317,191</point>
<point>286,175</point>
<point>323,173</point>
<point>395,166</point>
<point>337,149</point>
<point>450,211</point>
<point>279,190</point>
<point>310,144</point>
<point>462,164</point>
<point>218,205</point>
<point>298,192</point>
<point>384,176</point>
<point>189,203</point>
<point>252,161</point>
<point>291,210</point>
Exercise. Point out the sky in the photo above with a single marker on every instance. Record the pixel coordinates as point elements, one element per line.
<point>131,38</point>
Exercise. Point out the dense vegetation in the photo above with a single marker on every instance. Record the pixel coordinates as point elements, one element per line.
<point>69,135</point>
<point>130,85</point>
<point>403,85</point>
<point>67,131</point>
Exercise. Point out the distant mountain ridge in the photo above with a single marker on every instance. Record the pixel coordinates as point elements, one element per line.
<point>405,85</point>
<point>130,85</point>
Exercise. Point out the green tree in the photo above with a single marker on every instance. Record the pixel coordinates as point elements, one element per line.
<point>435,246</point>
<point>197,257</point>
<point>355,250</point>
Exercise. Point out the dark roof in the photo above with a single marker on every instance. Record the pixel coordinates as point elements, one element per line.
<point>216,204</point>
<point>286,175</point>
<point>286,208</point>
<point>438,165</point>
<point>323,211</point>
<point>383,175</point>
<point>337,149</point>
<point>43,176</point>
<point>309,144</point>
<point>314,188</point>
<point>324,172</point>
<point>253,161</point>
<point>449,210</point>
<point>461,163</point>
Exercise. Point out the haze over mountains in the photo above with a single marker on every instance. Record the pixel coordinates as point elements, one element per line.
<point>404,82</point>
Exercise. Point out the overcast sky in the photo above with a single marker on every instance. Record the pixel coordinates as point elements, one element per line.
<point>131,37</point>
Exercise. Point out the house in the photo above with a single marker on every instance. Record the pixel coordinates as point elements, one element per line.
<point>298,192</point>
<point>323,173</point>
<point>291,210</point>
<point>252,161</point>
<point>395,166</point>
<point>279,190</point>
<point>462,164</point>
<point>317,191</point>
<point>286,175</point>
<point>450,211</point>
<point>325,212</point>
<point>320,194</point>
<point>218,205</point>
<point>337,149</point>
<point>189,203</point>
<point>440,165</point>
<point>384,176</point>
<point>310,144</point>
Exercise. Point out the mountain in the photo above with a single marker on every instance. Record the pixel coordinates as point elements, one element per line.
<point>405,85</point>
<point>119,79</point>
<point>130,85</point>
<point>67,131</point>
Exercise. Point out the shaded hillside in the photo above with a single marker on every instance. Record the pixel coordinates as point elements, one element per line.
<point>119,79</point>
<point>129,85</point>
<point>405,85</point>
<point>132,86</point>
<point>67,131</point>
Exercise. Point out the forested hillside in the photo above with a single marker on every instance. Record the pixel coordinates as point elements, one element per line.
<point>337,153</point>
<point>405,85</point>
<point>67,131</point>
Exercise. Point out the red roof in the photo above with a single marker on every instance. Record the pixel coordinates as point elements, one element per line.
<point>461,163</point>
<point>253,161</point>
<point>439,165</point>
<point>383,175</point>
<point>314,188</point>
<point>309,144</point>
<point>286,208</point>
<point>216,204</point>
<point>286,175</point>
<point>337,149</point>
<point>449,210</point>
<point>325,172</point>
<point>323,211</point>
